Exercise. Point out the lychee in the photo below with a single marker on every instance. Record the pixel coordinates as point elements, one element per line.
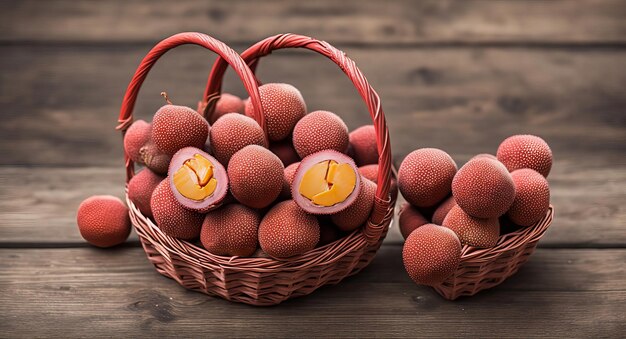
<point>326,182</point>
<point>137,135</point>
<point>483,188</point>
<point>227,103</point>
<point>283,106</point>
<point>140,188</point>
<point>425,176</point>
<point>442,210</point>
<point>287,230</point>
<point>318,131</point>
<point>198,181</point>
<point>359,211</point>
<point>371,172</point>
<point>231,133</point>
<point>171,217</point>
<point>526,151</point>
<point>472,231</point>
<point>409,219</point>
<point>431,254</point>
<point>256,176</point>
<point>175,127</point>
<point>103,220</point>
<point>532,197</point>
<point>231,230</point>
<point>364,147</point>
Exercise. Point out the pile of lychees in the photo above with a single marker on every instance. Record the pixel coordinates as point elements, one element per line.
<point>239,190</point>
<point>489,196</point>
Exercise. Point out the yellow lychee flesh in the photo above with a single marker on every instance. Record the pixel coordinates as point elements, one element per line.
<point>194,179</point>
<point>328,183</point>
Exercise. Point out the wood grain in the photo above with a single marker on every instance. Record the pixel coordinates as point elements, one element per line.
<point>64,102</point>
<point>39,204</point>
<point>347,22</point>
<point>81,292</point>
<point>458,75</point>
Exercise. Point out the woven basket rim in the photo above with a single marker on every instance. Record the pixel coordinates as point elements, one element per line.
<point>194,267</point>
<point>319,256</point>
<point>482,269</point>
<point>513,240</point>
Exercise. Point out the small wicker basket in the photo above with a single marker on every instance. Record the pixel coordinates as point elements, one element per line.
<point>481,269</point>
<point>262,281</point>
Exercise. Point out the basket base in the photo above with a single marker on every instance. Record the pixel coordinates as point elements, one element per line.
<point>254,281</point>
<point>482,269</point>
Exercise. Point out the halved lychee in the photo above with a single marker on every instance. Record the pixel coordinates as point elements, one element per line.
<point>326,182</point>
<point>198,181</point>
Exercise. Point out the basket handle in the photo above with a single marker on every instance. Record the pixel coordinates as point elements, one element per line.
<point>226,55</point>
<point>369,95</point>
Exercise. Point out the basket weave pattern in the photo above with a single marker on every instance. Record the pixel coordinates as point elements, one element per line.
<point>262,281</point>
<point>482,269</point>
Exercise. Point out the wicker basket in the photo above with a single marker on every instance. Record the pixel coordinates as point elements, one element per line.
<point>481,269</point>
<point>262,281</point>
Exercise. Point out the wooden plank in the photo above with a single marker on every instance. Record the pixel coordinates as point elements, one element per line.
<point>39,204</point>
<point>64,102</point>
<point>389,22</point>
<point>78,292</point>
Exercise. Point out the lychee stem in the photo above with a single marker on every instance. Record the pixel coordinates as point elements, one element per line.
<point>164,95</point>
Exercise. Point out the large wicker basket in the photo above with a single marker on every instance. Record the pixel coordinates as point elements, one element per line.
<point>262,281</point>
<point>481,269</point>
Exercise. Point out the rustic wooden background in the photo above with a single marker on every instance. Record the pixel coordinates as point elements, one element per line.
<point>458,75</point>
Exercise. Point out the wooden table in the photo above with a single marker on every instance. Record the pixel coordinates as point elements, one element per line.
<point>457,75</point>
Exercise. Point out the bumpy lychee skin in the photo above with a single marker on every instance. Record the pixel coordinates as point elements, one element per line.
<point>442,210</point>
<point>526,151</point>
<point>431,254</point>
<point>233,132</point>
<point>472,231</point>
<point>357,214</point>
<point>290,173</point>
<point>137,135</point>
<point>103,220</point>
<point>326,182</point>
<point>171,217</point>
<point>283,106</point>
<point>318,131</point>
<point>256,176</point>
<point>227,103</point>
<point>198,181</point>
<point>155,159</point>
<point>285,152</point>
<point>287,230</point>
<point>140,189</point>
<point>425,176</point>
<point>364,147</point>
<point>175,127</point>
<point>483,188</point>
<point>532,197</point>
<point>231,230</point>
<point>370,172</point>
<point>409,219</point>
